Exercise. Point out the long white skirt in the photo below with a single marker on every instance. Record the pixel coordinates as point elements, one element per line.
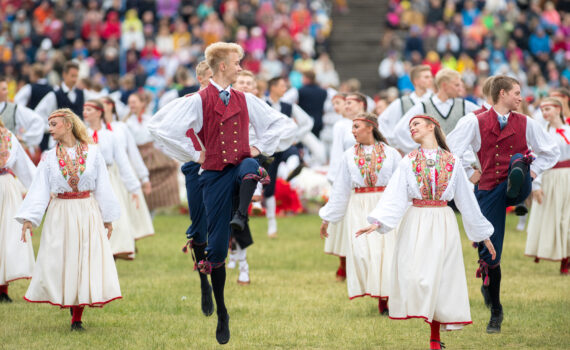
<point>337,241</point>
<point>368,257</point>
<point>428,275</point>
<point>16,257</point>
<point>140,218</point>
<point>123,238</point>
<point>75,266</point>
<point>549,223</point>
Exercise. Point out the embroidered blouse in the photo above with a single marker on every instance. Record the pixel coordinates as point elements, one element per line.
<point>410,181</point>
<point>49,179</point>
<point>561,137</point>
<point>356,171</point>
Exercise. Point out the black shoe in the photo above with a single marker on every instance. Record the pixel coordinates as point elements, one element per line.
<point>295,172</point>
<point>223,329</point>
<point>515,180</point>
<point>486,296</point>
<point>238,222</point>
<point>207,302</point>
<point>385,312</point>
<point>494,325</point>
<point>76,326</point>
<point>521,210</point>
<point>4,298</point>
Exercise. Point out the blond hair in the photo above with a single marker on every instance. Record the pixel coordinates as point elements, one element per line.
<point>246,73</point>
<point>78,129</point>
<point>201,69</point>
<point>487,84</point>
<point>552,100</point>
<point>416,70</point>
<point>445,75</point>
<point>217,53</point>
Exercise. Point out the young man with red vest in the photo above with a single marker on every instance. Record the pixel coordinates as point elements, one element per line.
<point>502,140</point>
<point>211,128</point>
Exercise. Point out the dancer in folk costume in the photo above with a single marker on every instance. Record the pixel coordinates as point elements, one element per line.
<point>75,266</point>
<point>164,182</point>
<point>16,257</point>
<point>219,116</point>
<point>352,104</point>
<point>137,212</point>
<point>123,180</point>
<point>502,140</point>
<point>364,173</point>
<point>549,223</point>
<point>428,275</point>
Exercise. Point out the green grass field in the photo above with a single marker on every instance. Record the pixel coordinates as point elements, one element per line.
<point>293,302</point>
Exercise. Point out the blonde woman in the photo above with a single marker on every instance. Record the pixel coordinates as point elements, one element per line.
<point>549,223</point>
<point>16,257</point>
<point>75,266</point>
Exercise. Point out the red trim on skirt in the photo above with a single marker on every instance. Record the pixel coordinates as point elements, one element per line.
<point>334,254</point>
<point>369,189</point>
<point>19,278</point>
<point>368,295</point>
<point>562,164</point>
<point>98,304</point>
<point>426,320</point>
<point>547,259</point>
<point>74,195</point>
<point>428,203</point>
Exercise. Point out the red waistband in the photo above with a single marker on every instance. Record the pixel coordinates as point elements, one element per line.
<point>4,171</point>
<point>428,203</point>
<point>74,195</point>
<point>562,164</point>
<point>369,189</point>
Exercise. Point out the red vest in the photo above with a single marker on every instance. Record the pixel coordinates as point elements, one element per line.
<point>225,129</point>
<point>480,110</point>
<point>498,146</point>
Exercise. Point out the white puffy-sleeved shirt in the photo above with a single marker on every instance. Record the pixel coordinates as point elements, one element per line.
<point>139,128</point>
<point>19,162</point>
<point>467,133</point>
<point>403,188</point>
<point>388,120</point>
<point>302,119</point>
<point>49,179</point>
<point>563,145</point>
<point>342,140</point>
<point>349,177</point>
<point>402,138</point>
<point>29,125</point>
<point>127,143</point>
<point>274,131</point>
<point>113,154</point>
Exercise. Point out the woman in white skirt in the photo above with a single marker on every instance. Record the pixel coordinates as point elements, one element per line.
<point>123,180</point>
<point>139,216</point>
<point>75,266</point>
<point>365,170</point>
<point>549,223</point>
<point>428,275</point>
<point>16,257</point>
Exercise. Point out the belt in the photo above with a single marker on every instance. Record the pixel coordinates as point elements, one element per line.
<point>4,171</point>
<point>74,195</point>
<point>428,203</point>
<point>369,189</point>
<point>562,164</point>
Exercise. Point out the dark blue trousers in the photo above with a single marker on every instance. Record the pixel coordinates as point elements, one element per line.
<point>493,204</point>
<point>198,229</point>
<point>278,158</point>
<point>218,189</point>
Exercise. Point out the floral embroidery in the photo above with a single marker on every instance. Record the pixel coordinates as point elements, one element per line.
<point>444,165</point>
<point>71,167</point>
<point>5,146</point>
<point>369,164</point>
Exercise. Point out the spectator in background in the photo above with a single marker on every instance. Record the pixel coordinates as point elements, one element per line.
<point>132,34</point>
<point>325,73</point>
<point>414,42</point>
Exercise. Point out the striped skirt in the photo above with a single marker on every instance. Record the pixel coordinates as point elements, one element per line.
<point>162,173</point>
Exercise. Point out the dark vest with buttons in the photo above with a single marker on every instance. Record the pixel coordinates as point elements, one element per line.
<point>225,129</point>
<point>39,91</point>
<point>286,108</point>
<point>64,102</point>
<point>498,146</point>
<point>312,100</point>
<point>188,90</point>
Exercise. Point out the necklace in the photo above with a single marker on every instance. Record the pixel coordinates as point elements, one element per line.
<point>71,167</point>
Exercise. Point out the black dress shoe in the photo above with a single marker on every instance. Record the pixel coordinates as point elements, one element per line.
<point>486,296</point>
<point>223,329</point>
<point>521,210</point>
<point>77,326</point>
<point>516,179</point>
<point>295,172</point>
<point>495,322</point>
<point>207,302</point>
<point>4,298</point>
<point>238,222</point>
<point>385,312</point>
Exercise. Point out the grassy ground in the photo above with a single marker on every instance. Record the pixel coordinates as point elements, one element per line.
<point>293,302</point>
